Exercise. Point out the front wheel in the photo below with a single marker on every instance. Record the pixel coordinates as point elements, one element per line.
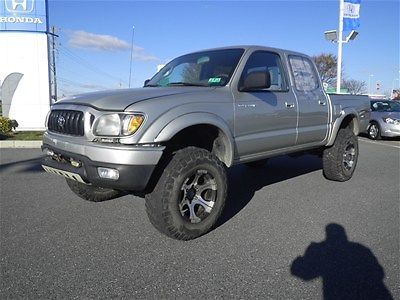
<point>339,161</point>
<point>374,132</point>
<point>189,196</point>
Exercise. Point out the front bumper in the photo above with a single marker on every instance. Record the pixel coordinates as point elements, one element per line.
<point>135,164</point>
<point>390,130</point>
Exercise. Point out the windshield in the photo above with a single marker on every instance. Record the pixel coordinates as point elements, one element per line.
<point>208,68</point>
<point>388,106</point>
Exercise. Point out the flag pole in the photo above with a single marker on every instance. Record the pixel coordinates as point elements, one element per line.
<point>340,47</point>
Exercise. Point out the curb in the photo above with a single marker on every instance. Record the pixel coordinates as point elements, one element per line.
<point>20,144</point>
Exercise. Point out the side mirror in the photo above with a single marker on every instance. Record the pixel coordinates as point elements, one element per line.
<point>256,81</point>
<point>146,82</point>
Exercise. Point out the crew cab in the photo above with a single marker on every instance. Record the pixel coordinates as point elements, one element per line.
<point>173,140</point>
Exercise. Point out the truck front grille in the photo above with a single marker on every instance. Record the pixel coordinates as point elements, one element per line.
<point>67,122</point>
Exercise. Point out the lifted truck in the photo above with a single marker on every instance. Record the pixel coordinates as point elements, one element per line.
<point>204,112</point>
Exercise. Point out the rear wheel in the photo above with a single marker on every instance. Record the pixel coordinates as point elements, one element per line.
<point>190,195</point>
<point>340,160</point>
<point>92,193</point>
<point>374,131</point>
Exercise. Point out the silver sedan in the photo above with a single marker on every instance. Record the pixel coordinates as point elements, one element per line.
<point>385,119</point>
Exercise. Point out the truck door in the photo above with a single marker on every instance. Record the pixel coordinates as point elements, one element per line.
<point>313,104</point>
<point>265,119</point>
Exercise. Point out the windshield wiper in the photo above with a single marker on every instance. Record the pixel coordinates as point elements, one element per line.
<point>151,85</point>
<point>187,84</point>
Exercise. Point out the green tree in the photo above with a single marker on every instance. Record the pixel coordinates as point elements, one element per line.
<point>327,67</point>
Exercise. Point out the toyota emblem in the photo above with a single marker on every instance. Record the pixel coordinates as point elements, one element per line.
<point>61,121</point>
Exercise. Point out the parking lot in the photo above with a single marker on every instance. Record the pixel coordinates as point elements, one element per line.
<point>54,244</point>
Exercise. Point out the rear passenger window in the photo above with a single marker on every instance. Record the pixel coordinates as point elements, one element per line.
<point>305,78</point>
<point>267,61</point>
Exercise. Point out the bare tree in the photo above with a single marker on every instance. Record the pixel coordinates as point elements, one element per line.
<point>355,86</point>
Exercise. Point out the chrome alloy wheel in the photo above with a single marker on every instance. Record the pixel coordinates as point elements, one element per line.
<point>198,196</point>
<point>373,131</point>
<point>349,156</point>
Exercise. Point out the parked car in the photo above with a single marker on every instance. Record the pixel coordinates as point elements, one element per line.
<point>385,119</point>
<point>204,112</point>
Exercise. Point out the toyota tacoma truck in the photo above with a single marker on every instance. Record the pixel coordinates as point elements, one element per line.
<point>173,140</point>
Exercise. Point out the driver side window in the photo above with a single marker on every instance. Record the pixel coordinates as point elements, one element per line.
<point>266,62</point>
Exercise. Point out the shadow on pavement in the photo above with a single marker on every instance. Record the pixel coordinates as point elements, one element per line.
<point>22,166</point>
<point>245,181</point>
<point>348,270</point>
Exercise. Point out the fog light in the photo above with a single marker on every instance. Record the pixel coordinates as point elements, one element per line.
<point>108,173</point>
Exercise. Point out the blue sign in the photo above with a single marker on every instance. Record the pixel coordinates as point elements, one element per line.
<point>23,15</point>
<point>351,15</point>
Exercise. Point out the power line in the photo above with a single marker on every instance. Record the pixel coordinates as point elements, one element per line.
<point>82,62</point>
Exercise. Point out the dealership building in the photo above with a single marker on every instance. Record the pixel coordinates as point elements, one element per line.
<point>25,74</point>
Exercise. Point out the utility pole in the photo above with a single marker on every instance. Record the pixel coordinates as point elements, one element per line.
<point>53,37</point>
<point>130,65</point>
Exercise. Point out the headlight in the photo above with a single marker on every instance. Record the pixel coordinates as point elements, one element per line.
<point>391,121</point>
<point>118,124</point>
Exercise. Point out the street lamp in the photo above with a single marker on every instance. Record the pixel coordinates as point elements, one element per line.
<point>331,35</point>
<point>335,37</point>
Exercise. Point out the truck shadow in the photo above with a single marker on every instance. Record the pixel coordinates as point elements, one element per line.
<point>348,270</point>
<point>22,166</point>
<point>244,182</point>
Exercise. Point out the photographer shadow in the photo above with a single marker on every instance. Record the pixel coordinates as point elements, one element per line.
<point>348,270</point>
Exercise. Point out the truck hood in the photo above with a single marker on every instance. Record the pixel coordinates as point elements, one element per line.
<point>118,100</point>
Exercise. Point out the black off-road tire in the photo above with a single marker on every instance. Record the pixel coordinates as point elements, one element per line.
<point>162,204</point>
<point>257,163</point>
<point>335,158</point>
<point>376,134</point>
<point>92,193</point>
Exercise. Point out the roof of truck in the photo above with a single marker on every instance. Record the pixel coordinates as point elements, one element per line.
<point>254,47</point>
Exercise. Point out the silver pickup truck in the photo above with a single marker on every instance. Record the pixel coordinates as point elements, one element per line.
<point>204,112</point>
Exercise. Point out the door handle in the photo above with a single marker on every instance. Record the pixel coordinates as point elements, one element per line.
<point>322,103</point>
<point>289,105</point>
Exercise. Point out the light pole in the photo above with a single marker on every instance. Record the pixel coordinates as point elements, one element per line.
<point>130,64</point>
<point>336,36</point>
<point>340,48</point>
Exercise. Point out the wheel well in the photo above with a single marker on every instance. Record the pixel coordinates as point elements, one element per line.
<point>351,122</point>
<point>204,136</point>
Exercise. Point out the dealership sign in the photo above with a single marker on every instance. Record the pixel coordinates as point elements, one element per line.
<point>23,15</point>
<point>20,20</point>
<point>24,62</point>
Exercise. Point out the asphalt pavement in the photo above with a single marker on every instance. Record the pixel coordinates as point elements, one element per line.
<point>288,233</point>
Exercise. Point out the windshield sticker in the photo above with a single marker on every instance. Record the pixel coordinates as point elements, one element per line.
<point>214,80</point>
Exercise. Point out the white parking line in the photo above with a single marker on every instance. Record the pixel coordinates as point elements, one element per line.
<point>377,143</point>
